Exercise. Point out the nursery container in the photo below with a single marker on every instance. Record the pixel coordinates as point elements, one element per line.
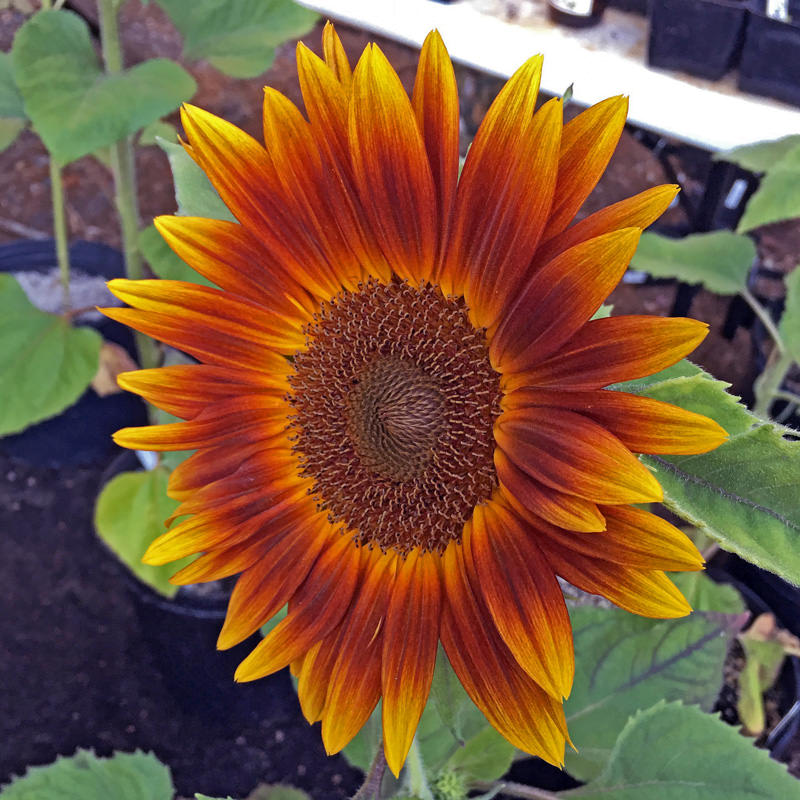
<point>771,55</point>
<point>701,37</point>
<point>81,434</point>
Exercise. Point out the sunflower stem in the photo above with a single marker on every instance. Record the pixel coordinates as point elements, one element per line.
<point>765,318</point>
<point>769,382</point>
<point>124,172</point>
<point>416,779</point>
<point>60,231</point>
<point>514,790</point>
<point>371,788</point>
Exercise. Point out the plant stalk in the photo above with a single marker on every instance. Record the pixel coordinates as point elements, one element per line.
<point>124,172</point>
<point>515,790</point>
<point>416,779</point>
<point>769,382</point>
<point>371,788</point>
<point>765,318</point>
<point>60,231</point>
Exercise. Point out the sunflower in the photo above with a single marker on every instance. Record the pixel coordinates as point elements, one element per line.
<point>399,414</point>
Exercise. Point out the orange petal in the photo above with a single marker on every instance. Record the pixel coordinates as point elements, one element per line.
<point>355,682</point>
<point>524,597</point>
<point>559,299</point>
<point>229,256</point>
<point>268,585</point>
<point>410,640</point>
<point>435,102</point>
<point>186,389</point>
<point>575,455</point>
<point>587,144</point>
<point>528,496</point>
<point>614,349</point>
<point>633,538</point>
<point>315,609</point>
<point>504,196</point>
<point>335,56</point>
<point>312,684</point>
<point>649,593</point>
<point>391,167</point>
<point>221,562</point>
<point>229,421</point>
<point>638,211</point>
<point>642,424</point>
<point>513,703</point>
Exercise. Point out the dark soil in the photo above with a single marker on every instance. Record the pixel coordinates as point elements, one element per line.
<point>75,664</point>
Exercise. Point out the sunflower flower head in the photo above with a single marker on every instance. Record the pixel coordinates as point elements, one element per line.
<point>399,408</point>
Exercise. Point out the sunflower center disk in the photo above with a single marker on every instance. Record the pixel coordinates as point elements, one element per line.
<point>394,404</point>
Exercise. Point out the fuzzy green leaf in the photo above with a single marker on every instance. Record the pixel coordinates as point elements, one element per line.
<point>743,495</point>
<point>761,156</point>
<point>790,320</point>
<point>778,196</point>
<point>12,111</point>
<point>84,776</point>
<point>164,261</point>
<point>625,663</point>
<point>129,515</point>
<point>74,105</point>
<point>194,194</point>
<point>238,37</point>
<point>719,260</point>
<point>484,757</point>
<point>675,752</point>
<point>46,364</point>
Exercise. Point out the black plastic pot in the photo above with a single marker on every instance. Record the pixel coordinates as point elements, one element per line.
<point>181,633</point>
<point>770,62</point>
<point>81,434</point>
<point>701,37</point>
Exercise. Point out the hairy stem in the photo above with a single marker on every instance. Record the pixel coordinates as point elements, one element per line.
<point>60,231</point>
<point>123,170</point>
<point>765,318</point>
<point>416,779</point>
<point>371,788</point>
<point>769,382</point>
<point>514,790</point>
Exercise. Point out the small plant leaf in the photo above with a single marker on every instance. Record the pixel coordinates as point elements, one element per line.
<point>84,776</point>
<point>46,364</point>
<point>164,261</point>
<point>12,111</point>
<point>676,752</point>
<point>129,515</point>
<point>720,260</point>
<point>194,194</point>
<point>760,156</point>
<point>73,104</point>
<point>238,37</point>
<point>277,791</point>
<point>160,129</point>
<point>484,757</point>
<point>778,196</point>
<point>624,663</point>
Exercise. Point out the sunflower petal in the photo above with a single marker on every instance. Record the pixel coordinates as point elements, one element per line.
<point>513,703</point>
<point>410,639</point>
<point>575,455</point>
<point>391,167</point>
<point>335,56</point>
<point>524,598</point>
<point>559,299</point>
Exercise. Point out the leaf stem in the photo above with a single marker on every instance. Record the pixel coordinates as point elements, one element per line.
<point>515,790</point>
<point>765,318</point>
<point>416,779</point>
<point>769,382</point>
<point>60,230</point>
<point>371,788</point>
<point>123,170</point>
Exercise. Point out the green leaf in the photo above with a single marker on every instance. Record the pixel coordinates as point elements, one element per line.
<point>759,157</point>
<point>84,776</point>
<point>164,261</point>
<point>675,752</point>
<point>77,108</point>
<point>720,260</point>
<point>364,745</point>
<point>160,129</point>
<point>703,594</point>
<point>484,757</point>
<point>238,37</point>
<point>277,791</point>
<point>274,620</point>
<point>778,196</point>
<point>129,515</point>
<point>12,112</point>
<point>625,663</point>
<point>46,364</point>
<point>790,320</point>
<point>194,194</point>
<point>743,495</point>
